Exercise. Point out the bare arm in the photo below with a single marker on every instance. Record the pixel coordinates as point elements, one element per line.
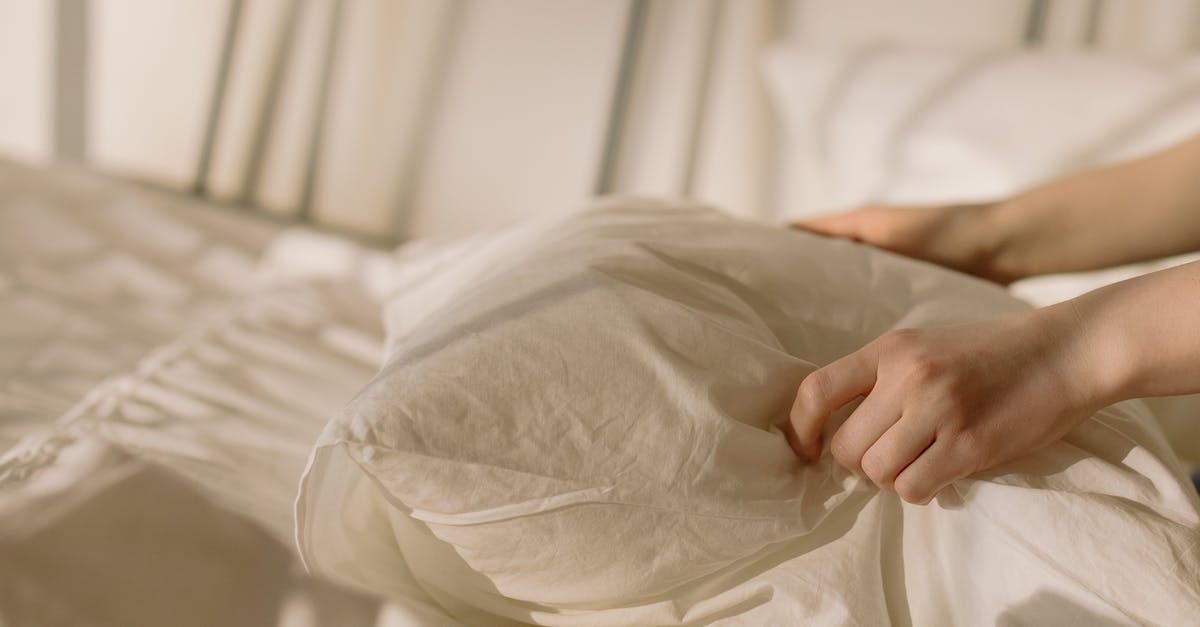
<point>942,404</point>
<point>1142,209</point>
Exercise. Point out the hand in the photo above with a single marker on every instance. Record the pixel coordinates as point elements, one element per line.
<point>1122,213</point>
<point>961,237</point>
<point>945,403</point>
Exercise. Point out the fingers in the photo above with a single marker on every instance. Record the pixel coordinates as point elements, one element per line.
<point>870,420</point>
<point>837,225</point>
<point>824,391</point>
<point>935,469</point>
<point>896,449</point>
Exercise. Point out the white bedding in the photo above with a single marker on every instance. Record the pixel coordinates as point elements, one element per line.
<point>575,427</point>
<point>94,276</point>
<point>163,388</point>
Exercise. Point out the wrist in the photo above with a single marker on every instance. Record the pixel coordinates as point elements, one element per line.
<point>972,241</point>
<point>1013,245</point>
<point>1089,356</point>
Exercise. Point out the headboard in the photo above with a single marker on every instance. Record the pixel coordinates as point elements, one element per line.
<point>403,118</point>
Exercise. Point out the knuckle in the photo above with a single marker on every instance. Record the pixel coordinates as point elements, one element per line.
<point>969,444</point>
<point>814,389</point>
<point>843,453</point>
<point>877,469</point>
<point>900,340</point>
<point>926,369</point>
<point>912,492</point>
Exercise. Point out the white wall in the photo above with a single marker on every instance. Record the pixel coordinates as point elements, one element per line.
<point>25,79</point>
<point>427,135</point>
<point>151,73</point>
<point>520,128</point>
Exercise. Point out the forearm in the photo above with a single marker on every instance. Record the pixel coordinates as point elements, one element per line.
<point>1143,209</point>
<point>1135,338</point>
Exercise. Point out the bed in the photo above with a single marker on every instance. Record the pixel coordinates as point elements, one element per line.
<point>163,392</point>
<point>172,357</point>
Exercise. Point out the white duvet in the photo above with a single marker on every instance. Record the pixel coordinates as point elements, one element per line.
<point>575,426</point>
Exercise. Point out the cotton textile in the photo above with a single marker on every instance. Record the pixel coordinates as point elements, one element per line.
<point>577,427</point>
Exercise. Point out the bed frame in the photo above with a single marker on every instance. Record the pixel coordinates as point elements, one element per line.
<point>709,46</point>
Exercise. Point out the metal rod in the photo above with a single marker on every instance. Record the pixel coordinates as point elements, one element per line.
<point>430,97</point>
<point>1035,24</point>
<point>281,58</point>
<point>1091,34</point>
<point>618,112</point>
<point>703,86</point>
<point>220,87</point>
<point>71,80</point>
<point>316,137</point>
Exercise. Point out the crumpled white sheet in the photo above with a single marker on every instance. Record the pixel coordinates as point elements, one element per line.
<point>579,431</point>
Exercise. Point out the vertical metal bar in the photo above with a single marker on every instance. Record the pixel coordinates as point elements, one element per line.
<point>782,12</point>
<point>1035,23</point>
<point>1091,34</point>
<point>71,80</point>
<point>783,24</point>
<point>428,103</point>
<point>316,137</point>
<point>703,86</point>
<point>281,58</point>
<point>618,111</point>
<point>216,108</point>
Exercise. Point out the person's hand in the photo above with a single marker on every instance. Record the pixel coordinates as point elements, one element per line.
<point>1117,214</point>
<point>961,237</point>
<point>945,403</point>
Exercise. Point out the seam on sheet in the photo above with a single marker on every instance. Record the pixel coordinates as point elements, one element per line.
<point>392,498</point>
<point>665,597</point>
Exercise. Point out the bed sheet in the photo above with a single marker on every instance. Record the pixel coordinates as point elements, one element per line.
<point>95,274</point>
<point>166,414</point>
<point>166,368</point>
<point>1034,527</point>
<point>198,448</point>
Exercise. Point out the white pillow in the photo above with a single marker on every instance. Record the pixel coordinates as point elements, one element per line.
<point>887,124</point>
<point>582,433</point>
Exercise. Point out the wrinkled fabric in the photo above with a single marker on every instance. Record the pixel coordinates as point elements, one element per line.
<point>579,429</point>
